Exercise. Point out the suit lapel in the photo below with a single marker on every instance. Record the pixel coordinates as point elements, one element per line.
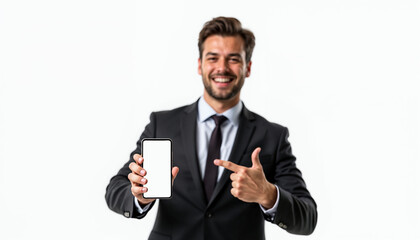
<point>188,133</point>
<point>243,137</point>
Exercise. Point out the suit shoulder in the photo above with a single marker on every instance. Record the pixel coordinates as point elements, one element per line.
<point>173,113</point>
<point>272,126</point>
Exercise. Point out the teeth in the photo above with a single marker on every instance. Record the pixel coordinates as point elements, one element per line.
<point>222,80</point>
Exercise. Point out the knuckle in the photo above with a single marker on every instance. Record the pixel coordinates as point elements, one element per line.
<point>225,164</point>
<point>134,167</point>
<point>239,193</point>
<point>135,190</point>
<point>134,178</point>
<point>239,178</point>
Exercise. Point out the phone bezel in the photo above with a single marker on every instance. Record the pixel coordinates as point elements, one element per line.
<point>171,165</point>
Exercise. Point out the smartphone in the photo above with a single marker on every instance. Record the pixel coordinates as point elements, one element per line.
<point>157,154</point>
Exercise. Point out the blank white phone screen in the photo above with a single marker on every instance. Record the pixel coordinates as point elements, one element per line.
<point>157,154</point>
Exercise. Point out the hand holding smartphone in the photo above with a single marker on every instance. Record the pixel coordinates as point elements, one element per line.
<point>157,155</point>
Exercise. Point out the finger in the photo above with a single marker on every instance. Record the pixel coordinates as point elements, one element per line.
<point>135,168</point>
<point>255,157</point>
<point>138,158</point>
<point>228,165</point>
<point>233,177</point>
<point>234,192</point>
<point>138,190</point>
<point>175,171</point>
<point>139,171</point>
<point>136,179</point>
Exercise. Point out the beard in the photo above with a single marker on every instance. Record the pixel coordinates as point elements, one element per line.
<point>222,95</point>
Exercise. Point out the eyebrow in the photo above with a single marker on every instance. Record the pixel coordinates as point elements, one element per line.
<point>229,55</point>
<point>211,53</point>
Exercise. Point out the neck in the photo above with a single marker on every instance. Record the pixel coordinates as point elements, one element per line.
<point>221,106</point>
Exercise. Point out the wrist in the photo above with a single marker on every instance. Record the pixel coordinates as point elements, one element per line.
<point>270,196</point>
<point>143,202</point>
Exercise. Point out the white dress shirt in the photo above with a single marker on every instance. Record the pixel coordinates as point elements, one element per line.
<point>205,127</point>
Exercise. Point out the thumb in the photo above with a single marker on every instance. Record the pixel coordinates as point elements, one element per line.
<point>255,157</point>
<point>175,171</point>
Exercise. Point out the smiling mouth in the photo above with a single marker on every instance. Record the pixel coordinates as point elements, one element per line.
<point>222,79</point>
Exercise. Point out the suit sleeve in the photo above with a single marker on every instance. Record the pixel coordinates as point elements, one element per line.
<point>297,210</point>
<point>118,194</point>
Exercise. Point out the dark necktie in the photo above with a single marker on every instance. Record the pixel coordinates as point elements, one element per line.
<point>210,175</point>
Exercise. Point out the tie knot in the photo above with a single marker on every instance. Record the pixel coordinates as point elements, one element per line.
<point>219,119</point>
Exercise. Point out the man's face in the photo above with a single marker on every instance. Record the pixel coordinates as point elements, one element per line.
<point>223,67</point>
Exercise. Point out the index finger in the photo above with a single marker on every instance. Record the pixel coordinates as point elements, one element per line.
<point>228,165</point>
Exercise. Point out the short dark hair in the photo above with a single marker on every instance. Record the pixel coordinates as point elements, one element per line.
<point>227,26</point>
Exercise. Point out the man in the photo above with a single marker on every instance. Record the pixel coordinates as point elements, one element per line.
<point>224,188</point>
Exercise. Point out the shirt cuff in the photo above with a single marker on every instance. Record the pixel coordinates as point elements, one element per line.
<point>272,211</point>
<point>139,208</point>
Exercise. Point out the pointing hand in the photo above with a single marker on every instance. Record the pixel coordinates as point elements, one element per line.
<point>250,184</point>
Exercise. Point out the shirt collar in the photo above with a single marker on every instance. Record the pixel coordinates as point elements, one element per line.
<point>205,112</point>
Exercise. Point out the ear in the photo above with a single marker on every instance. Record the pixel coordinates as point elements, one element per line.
<point>199,66</point>
<point>248,69</point>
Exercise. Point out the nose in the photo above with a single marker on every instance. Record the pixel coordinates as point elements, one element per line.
<point>222,65</point>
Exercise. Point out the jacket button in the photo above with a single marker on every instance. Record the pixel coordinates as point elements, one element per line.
<point>209,215</point>
<point>127,214</point>
<point>282,225</point>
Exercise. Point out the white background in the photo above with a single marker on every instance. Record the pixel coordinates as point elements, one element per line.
<point>78,80</point>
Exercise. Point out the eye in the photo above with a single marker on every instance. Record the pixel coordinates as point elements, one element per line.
<point>234,60</point>
<point>212,59</point>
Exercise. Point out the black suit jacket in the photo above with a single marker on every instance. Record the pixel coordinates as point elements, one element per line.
<point>188,215</point>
